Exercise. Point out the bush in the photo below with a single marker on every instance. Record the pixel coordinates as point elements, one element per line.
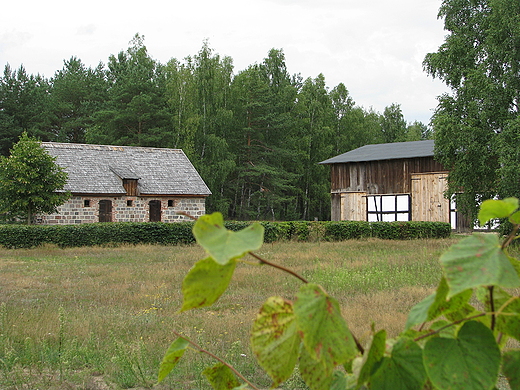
<point>346,230</point>
<point>114,233</point>
<point>28,236</point>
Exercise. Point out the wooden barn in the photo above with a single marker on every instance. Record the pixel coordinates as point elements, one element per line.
<point>390,182</point>
<point>126,184</point>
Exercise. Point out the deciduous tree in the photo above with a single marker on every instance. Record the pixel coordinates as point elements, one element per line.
<point>30,181</point>
<point>476,125</point>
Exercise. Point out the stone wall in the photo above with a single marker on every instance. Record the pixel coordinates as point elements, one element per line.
<point>85,209</point>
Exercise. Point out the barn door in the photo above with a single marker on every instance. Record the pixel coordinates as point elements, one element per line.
<point>353,206</point>
<point>105,211</point>
<point>155,210</point>
<point>428,202</point>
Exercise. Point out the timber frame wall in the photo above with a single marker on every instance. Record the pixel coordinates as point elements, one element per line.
<point>422,178</point>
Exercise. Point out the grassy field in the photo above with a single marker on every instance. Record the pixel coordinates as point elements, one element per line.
<point>101,318</point>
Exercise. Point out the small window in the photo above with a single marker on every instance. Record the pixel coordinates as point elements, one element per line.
<point>170,203</point>
<point>129,203</point>
<point>86,203</point>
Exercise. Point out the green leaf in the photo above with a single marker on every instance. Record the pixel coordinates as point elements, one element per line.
<point>511,368</point>
<point>339,381</point>
<point>373,355</point>
<point>419,313</point>
<point>221,377</point>
<point>404,369</point>
<point>223,244</point>
<point>205,283</point>
<point>492,209</point>
<point>471,361</point>
<point>274,339</point>
<point>317,374</point>
<point>323,330</point>
<point>171,358</point>
<point>476,261</point>
<point>508,322</point>
<point>437,304</point>
<point>515,218</point>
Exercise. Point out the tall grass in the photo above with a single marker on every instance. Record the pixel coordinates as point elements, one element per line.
<point>99,318</point>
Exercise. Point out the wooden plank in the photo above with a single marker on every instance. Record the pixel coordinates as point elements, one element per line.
<point>353,206</point>
<point>428,202</point>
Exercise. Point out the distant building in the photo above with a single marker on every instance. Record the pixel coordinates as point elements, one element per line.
<point>126,184</point>
<point>398,181</point>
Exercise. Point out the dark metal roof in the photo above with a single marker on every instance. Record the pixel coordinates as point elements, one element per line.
<point>392,151</point>
<point>99,169</point>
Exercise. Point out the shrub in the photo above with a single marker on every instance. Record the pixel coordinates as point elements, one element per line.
<point>346,230</point>
<point>113,233</point>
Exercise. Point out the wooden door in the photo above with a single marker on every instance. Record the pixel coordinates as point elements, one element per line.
<point>428,202</point>
<point>105,211</point>
<point>155,210</point>
<point>353,206</point>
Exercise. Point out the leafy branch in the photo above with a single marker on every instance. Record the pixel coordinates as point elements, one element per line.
<point>212,355</point>
<point>312,333</point>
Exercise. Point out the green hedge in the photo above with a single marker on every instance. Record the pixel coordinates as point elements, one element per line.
<point>89,234</point>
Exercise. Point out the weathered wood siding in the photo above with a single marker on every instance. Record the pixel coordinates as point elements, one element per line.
<point>349,206</point>
<point>380,177</point>
<point>428,202</point>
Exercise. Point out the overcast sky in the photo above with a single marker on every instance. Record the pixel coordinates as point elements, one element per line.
<point>374,47</point>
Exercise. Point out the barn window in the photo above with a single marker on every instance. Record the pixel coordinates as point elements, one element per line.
<point>130,186</point>
<point>388,208</point>
<point>129,203</point>
<point>86,203</point>
<point>171,203</point>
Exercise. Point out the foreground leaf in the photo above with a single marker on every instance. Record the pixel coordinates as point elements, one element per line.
<point>323,330</point>
<point>494,209</point>
<point>205,283</point>
<point>171,358</point>
<point>437,304</point>
<point>404,369</point>
<point>372,356</point>
<point>476,261</point>
<point>508,322</point>
<point>339,381</point>
<point>317,374</point>
<point>511,368</point>
<point>274,339</point>
<point>471,361</point>
<point>221,377</point>
<point>223,244</point>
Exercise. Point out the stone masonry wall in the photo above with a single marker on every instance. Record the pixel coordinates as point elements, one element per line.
<point>85,209</point>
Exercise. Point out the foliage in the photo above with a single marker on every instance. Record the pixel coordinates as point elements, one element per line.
<point>311,332</point>
<point>116,233</point>
<point>255,135</point>
<point>89,234</point>
<point>30,181</point>
<point>24,106</point>
<point>476,126</point>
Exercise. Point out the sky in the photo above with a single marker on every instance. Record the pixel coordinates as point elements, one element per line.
<point>374,47</point>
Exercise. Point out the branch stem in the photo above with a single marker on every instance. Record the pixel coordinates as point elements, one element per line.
<point>492,307</point>
<point>447,326</point>
<point>511,237</point>
<point>281,268</point>
<point>202,350</point>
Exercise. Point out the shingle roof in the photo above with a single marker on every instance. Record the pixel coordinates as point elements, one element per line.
<point>390,151</point>
<point>99,169</point>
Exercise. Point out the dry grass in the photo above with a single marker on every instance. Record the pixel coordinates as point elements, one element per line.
<point>70,317</point>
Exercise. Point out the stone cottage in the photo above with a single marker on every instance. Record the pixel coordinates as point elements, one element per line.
<point>126,184</point>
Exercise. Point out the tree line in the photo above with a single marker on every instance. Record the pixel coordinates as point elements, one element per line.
<point>255,136</point>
